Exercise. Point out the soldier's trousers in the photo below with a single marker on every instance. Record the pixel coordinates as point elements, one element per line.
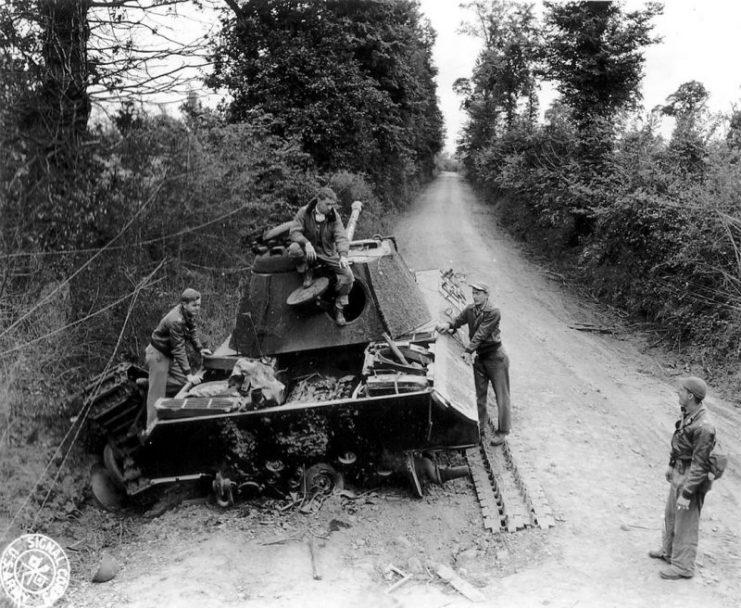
<point>345,276</point>
<point>493,367</point>
<point>682,527</point>
<point>164,378</point>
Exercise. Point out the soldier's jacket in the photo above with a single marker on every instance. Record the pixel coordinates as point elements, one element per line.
<point>174,330</point>
<point>328,237</point>
<point>692,442</point>
<point>483,327</point>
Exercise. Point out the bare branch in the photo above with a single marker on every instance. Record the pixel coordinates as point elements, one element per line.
<point>232,4</point>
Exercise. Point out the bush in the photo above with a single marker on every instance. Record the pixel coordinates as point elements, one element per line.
<point>638,230</point>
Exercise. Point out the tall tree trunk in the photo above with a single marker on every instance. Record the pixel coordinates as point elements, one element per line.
<point>54,125</point>
<point>63,101</point>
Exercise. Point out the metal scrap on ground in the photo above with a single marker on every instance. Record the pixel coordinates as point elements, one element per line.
<point>390,571</point>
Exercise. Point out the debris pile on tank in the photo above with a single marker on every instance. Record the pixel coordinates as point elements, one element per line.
<point>318,387</point>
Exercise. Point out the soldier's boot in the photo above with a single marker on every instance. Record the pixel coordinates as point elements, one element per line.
<point>659,554</point>
<point>308,278</point>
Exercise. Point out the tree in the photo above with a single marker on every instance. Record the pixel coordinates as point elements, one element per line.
<point>58,57</point>
<point>354,80</point>
<point>593,50</point>
<point>733,135</point>
<point>505,70</point>
<point>688,106</point>
<point>502,91</point>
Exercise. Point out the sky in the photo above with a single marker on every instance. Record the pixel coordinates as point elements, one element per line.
<point>701,41</point>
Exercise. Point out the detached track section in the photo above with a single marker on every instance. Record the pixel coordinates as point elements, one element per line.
<point>510,496</point>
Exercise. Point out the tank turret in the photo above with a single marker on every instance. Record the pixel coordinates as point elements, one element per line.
<point>384,299</point>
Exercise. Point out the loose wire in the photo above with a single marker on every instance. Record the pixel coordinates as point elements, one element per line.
<point>80,420</point>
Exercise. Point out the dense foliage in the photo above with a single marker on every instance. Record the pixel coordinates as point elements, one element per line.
<point>352,80</point>
<point>651,225</point>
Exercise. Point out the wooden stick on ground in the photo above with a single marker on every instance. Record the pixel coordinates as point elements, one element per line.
<point>314,564</point>
<point>464,587</point>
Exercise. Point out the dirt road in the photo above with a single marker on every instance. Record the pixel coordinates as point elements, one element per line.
<point>593,414</point>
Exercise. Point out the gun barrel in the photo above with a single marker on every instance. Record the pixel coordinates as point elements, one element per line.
<point>353,221</point>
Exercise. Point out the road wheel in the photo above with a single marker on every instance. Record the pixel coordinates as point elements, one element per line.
<point>322,478</point>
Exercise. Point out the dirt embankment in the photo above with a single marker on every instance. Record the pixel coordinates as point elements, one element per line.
<point>593,414</point>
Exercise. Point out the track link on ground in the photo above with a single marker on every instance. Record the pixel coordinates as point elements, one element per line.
<point>510,496</point>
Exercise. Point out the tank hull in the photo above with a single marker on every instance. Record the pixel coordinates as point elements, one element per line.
<point>362,400</point>
<point>293,436</point>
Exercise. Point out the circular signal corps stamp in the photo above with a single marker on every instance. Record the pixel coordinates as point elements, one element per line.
<point>34,571</point>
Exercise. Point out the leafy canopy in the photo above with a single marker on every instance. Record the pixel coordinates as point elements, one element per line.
<point>354,80</point>
<point>593,51</point>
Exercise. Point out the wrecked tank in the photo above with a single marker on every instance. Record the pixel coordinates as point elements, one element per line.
<point>291,401</point>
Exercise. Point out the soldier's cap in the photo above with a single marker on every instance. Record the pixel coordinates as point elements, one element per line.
<point>696,386</point>
<point>479,286</point>
<point>189,295</point>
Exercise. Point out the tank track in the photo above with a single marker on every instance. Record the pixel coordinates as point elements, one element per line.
<point>115,406</point>
<point>114,402</point>
<point>510,496</point>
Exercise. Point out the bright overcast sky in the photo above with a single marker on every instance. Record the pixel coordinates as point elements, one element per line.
<point>701,42</point>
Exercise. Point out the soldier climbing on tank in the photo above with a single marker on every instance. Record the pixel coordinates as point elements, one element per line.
<point>319,238</point>
<point>166,356</point>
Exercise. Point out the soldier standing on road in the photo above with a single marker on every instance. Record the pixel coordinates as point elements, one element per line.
<point>689,464</point>
<point>166,355</point>
<point>319,237</point>
<point>491,363</point>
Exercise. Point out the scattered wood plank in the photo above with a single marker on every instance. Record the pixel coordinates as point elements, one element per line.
<point>461,586</point>
<point>314,563</point>
<point>602,329</point>
<point>556,276</point>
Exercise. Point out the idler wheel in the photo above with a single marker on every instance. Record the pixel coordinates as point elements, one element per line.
<point>250,488</point>
<point>347,458</point>
<point>321,478</point>
<point>275,466</point>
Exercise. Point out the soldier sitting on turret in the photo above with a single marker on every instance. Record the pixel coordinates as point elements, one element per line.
<point>319,238</point>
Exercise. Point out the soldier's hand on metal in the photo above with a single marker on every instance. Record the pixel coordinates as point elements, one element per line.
<point>683,503</point>
<point>467,357</point>
<point>442,327</point>
<point>310,252</point>
<point>206,352</point>
<point>193,379</point>
<point>344,262</point>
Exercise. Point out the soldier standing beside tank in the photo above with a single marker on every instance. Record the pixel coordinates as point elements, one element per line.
<point>319,237</point>
<point>689,464</point>
<point>166,354</point>
<point>491,363</point>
